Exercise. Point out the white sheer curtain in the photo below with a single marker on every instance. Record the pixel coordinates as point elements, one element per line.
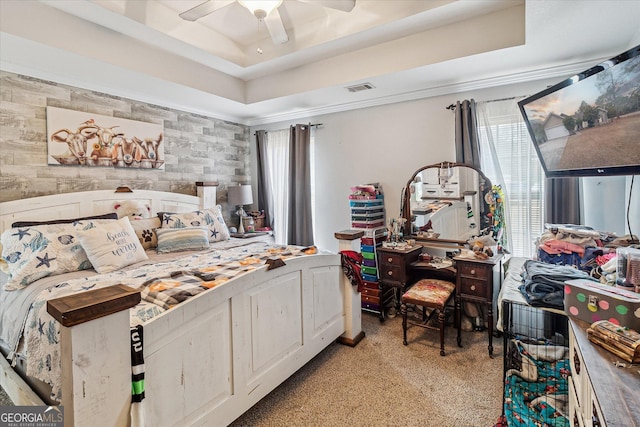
<point>278,166</point>
<point>509,160</point>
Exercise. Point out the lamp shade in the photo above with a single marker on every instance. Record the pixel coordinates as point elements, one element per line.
<point>240,195</point>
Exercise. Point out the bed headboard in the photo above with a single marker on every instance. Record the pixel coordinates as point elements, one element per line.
<point>85,203</point>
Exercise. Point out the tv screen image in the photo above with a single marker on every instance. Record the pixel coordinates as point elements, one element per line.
<point>589,124</point>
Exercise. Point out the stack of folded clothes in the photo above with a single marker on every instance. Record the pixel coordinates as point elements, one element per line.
<point>577,245</point>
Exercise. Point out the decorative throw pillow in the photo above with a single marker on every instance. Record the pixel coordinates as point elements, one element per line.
<point>20,224</point>
<point>146,231</point>
<point>39,251</point>
<point>210,218</point>
<point>110,246</point>
<point>182,239</point>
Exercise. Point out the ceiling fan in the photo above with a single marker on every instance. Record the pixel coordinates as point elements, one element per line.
<point>265,10</point>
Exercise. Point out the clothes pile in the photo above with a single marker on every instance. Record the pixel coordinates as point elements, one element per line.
<point>568,251</point>
<point>543,283</point>
<point>579,246</point>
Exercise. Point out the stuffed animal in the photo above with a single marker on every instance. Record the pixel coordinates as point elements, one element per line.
<point>134,209</point>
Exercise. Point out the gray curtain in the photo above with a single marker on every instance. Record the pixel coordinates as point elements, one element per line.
<point>467,141</point>
<point>300,226</point>
<point>264,201</point>
<point>562,201</point>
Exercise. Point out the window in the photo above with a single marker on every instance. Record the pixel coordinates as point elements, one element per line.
<point>509,159</point>
<point>278,166</point>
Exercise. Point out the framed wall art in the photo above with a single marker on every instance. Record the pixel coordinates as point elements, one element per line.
<point>77,138</point>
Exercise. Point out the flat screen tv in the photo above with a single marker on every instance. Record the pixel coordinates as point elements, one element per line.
<point>589,124</point>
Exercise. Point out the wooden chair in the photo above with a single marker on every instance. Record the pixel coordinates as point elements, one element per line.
<point>428,293</point>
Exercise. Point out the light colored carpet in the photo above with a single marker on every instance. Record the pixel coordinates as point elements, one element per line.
<point>4,399</point>
<point>381,382</point>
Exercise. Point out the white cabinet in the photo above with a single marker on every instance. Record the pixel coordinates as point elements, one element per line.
<point>605,392</point>
<point>433,187</point>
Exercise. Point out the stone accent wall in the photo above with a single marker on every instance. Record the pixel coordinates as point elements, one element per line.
<point>196,147</point>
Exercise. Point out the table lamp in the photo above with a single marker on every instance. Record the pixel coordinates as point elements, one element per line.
<point>240,195</point>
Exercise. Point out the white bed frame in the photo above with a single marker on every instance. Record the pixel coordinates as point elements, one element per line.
<point>207,360</point>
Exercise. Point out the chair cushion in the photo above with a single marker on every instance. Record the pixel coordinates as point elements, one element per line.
<point>429,293</point>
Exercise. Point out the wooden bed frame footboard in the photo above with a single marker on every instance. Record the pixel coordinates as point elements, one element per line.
<point>208,360</point>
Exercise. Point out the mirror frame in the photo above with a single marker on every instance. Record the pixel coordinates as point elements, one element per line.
<point>484,187</point>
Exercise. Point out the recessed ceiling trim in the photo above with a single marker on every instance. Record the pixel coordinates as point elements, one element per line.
<point>447,89</point>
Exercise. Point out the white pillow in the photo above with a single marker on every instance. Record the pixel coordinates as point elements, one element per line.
<point>39,251</point>
<point>146,231</point>
<point>111,246</point>
<point>210,218</point>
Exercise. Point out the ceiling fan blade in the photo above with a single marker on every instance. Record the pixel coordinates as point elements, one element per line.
<point>343,5</point>
<point>203,9</point>
<point>274,25</point>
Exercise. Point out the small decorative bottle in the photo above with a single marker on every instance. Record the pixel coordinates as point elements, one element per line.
<point>251,227</point>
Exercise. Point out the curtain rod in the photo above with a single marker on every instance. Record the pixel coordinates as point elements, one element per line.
<point>507,99</point>
<point>453,106</point>
<point>310,124</point>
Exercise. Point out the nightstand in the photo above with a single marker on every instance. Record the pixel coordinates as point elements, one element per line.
<point>474,283</point>
<point>393,269</point>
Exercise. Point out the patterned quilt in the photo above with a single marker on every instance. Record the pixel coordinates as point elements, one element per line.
<point>162,286</point>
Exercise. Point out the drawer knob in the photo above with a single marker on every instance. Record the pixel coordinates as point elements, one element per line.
<point>389,259</point>
<point>473,287</point>
<point>390,273</point>
<point>473,271</point>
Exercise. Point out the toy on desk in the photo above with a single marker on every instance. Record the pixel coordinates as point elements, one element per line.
<point>481,246</point>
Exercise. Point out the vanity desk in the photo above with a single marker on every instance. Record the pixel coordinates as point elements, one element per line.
<point>449,201</point>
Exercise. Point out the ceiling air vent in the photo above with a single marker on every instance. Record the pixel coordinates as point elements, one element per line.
<point>358,88</point>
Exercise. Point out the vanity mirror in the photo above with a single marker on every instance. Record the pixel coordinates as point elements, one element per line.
<point>448,199</point>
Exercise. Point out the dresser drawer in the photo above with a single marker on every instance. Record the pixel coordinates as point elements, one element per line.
<point>369,306</point>
<point>390,259</point>
<point>450,190</point>
<point>371,285</point>
<point>475,288</point>
<point>371,292</point>
<point>369,299</point>
<point>431,190</point>
<point>474,270</point>
<point>393,273</point>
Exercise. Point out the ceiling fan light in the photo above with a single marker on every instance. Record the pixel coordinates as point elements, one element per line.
<point>260,8</point>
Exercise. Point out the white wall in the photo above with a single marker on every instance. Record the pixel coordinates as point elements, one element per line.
<point>383,144</point>
<point>606,200</point>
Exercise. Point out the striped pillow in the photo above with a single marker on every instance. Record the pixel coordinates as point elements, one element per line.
<point>182,239</point>
<point>211,218</point>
